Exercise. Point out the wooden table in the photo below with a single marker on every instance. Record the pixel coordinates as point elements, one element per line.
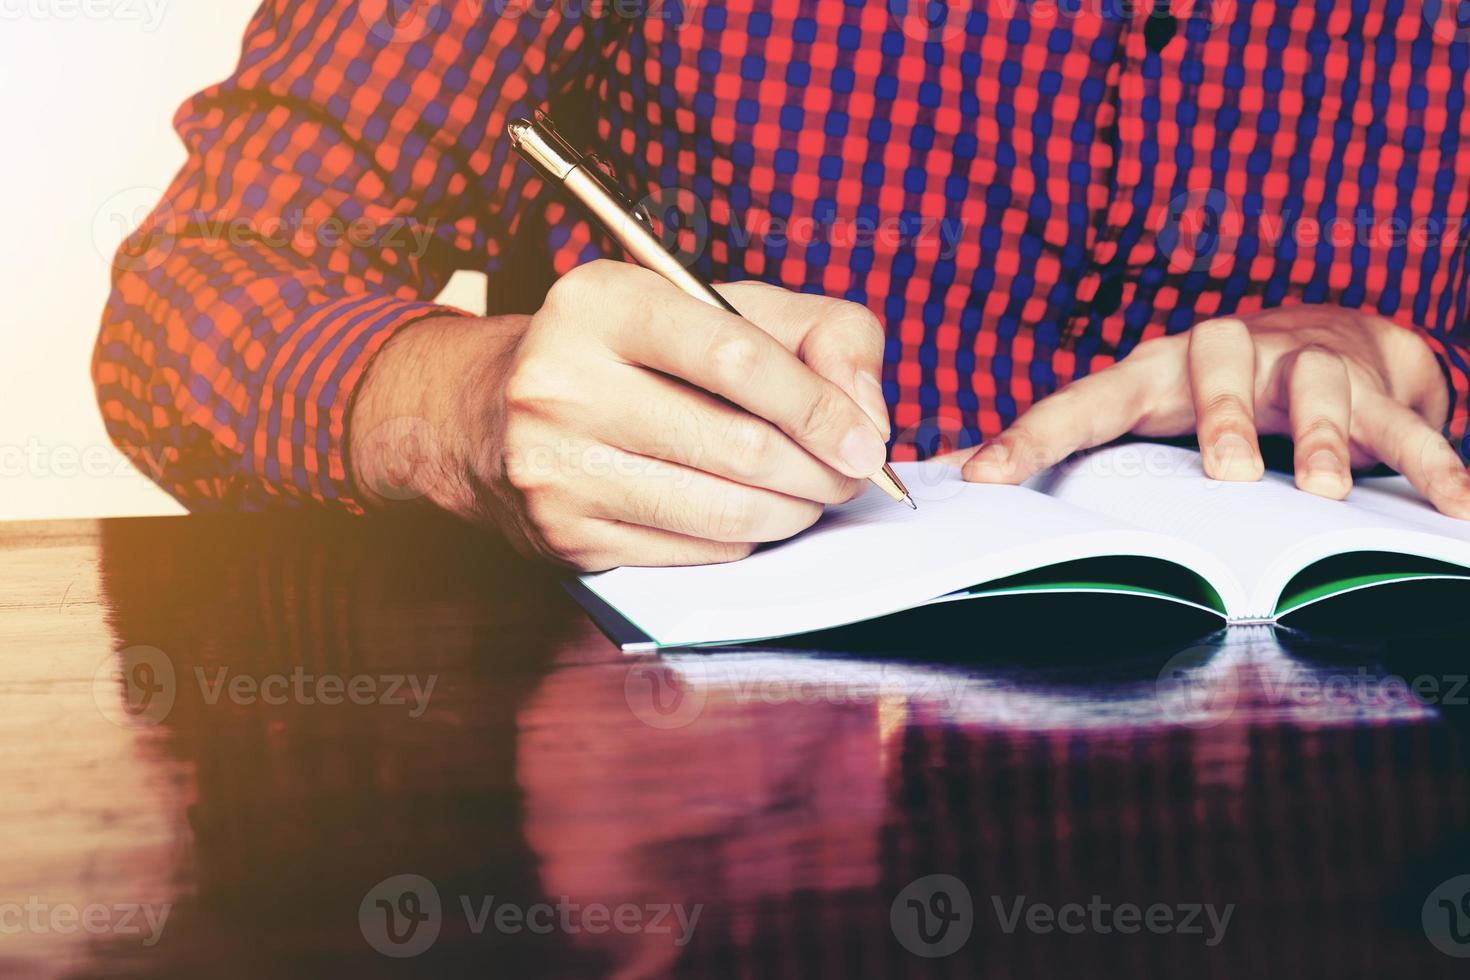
<point>303,746</point>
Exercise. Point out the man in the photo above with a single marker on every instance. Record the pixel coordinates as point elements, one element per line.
<point>1229,219</point>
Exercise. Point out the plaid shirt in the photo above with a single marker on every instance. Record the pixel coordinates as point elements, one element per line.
<point>1023,191</point>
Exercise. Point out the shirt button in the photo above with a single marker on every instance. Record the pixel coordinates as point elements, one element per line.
<point>1109,296</point>
<point>1161,27</point>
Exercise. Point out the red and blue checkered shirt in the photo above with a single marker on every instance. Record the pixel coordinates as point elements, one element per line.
<point>1022,190</point>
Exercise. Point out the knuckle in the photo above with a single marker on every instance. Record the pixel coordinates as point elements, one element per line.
<point>729,516</point>
<point>734,356</point>
<point>524,472</point>
<point>822,414</point>
<point>1319,360</point>
<point>1319,428</point>
<point>733,551</point>
<point>587,283</point>
<point>750,445</point>
<point>565,291</point>
<point>543,515</point>
<point>568,541</point>
<point>857,318</point>
<point>1225,407</point>
<point>1221,330</point>
<point>597,274</point>
<point>535,383</point>
<point>669,511</point>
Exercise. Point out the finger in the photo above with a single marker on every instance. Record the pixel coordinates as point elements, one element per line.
<point>840,340</point>
<point>1086,413</point>
<point>666,419</point>
<point>1222,381</point>
<point>653,493</point>
<point>1402,439</point>
<point>1319,397</point>
<point>610,544</point>
<point>731,357</point>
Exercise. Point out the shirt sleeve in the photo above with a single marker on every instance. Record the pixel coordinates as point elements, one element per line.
<point>351,162</point>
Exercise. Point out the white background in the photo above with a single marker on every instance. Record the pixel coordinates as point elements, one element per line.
<point>88,89</point>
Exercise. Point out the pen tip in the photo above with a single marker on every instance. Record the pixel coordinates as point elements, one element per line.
<point>910,502</point>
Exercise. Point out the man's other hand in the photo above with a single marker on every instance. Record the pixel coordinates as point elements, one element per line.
<point>1350,389</point>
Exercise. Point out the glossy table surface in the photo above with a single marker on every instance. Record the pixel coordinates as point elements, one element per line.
<point>289,746</point>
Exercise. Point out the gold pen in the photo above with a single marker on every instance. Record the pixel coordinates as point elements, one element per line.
<point>540,145</point>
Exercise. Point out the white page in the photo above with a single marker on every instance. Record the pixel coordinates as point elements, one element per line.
<point>1265,532</point>
<point>872,557</point>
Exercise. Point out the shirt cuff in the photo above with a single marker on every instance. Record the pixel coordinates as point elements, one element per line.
<point>297,429</point>
<point>1454,365</point>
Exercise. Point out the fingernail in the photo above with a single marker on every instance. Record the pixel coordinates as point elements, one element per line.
<point>862,450</point>
<point>869,395</point>
<point>1324,463</point>
<point>1233,458</point>
<point>1326,474</point>
<point>995,454</point>
<point>990,462</point>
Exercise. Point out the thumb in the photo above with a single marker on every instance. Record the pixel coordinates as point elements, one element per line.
<point>846,348</point>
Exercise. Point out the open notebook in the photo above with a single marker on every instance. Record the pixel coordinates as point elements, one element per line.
<point>1138,518</point>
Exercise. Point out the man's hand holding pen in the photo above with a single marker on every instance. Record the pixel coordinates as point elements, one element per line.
<point>626,423</point>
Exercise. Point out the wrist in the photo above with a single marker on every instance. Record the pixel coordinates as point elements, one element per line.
<point>423,419</point>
